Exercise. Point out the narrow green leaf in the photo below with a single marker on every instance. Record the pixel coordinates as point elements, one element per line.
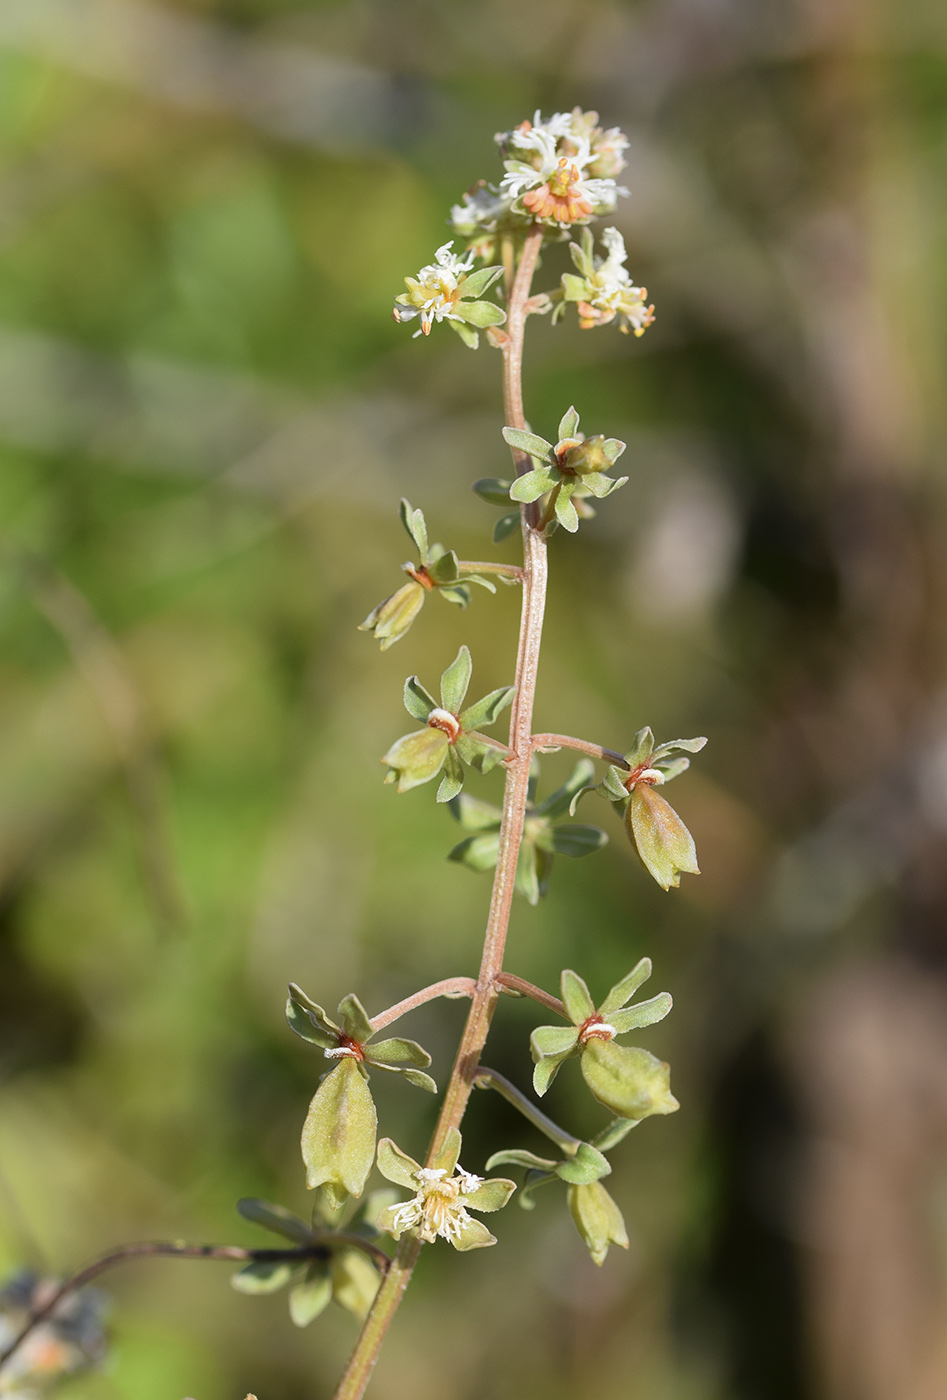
<point>475,814</point>
<point>355,1281</point>
<point>453,779</point>
<point>558,802</point>
<point>480,281</point>
<point>262,1277</point>
<point>276,1218</point>
<point>532,485</point>
<point>417,701</point>
<point>643,1013</point>
<point>623,991</point>
<point>455,680</point>
<point>477,852</point>
<point>569,423</point>
<point>355,1019</point>
<point>517,1157</point>
<point>566,513</point>
<point>398,1052</point>
<point>529,443</point>
<point>420,1080</point>
<point>577,840</point>
<point>488,710</point>
<point>413,522</point>
<point>505,526</point>
<point>492,489</point>
<point>576,997</point>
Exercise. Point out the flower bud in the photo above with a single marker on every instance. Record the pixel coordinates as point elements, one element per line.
<point>597,1219</point>
<point>631,1082</point>
<point>392,618</point>
<point>338,1138</point>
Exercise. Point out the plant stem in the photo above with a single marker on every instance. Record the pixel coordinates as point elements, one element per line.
<point>529,989</point>
<point>318,1248</point>
<point>481,566</point>
<point>450,987</point>
<point>548,742</point>
<point>359,1370</point>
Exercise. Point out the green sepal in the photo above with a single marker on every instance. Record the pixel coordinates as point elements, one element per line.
<point>492,489</point>
<point>309,1021</point>
<point>473,1234</point>
<point>312,1296</point>
<point>597,1219</point>
<point>479,753</point>
<point>277,1219</point>
<point>530,443</point>
<point>566,512</point>
<point>491,1195</point>
<point>420,1080</point>
<point>505,526</point>
<point>455,681</point>
<point>262,1276</point>
<point>443,569</point>
<point>448,1156</point>
<point>568,424</point>
<point>544,1072</point>
<point>576,997</point>
<point>453,779</point>
<point>518,1157</point>
<point>416,758</point>
<point>480,313</point>
<point>338,1137</point>
<point>624,990</point>
<point>688,745</point>
<point>532,485</point>
<point>417,701</point>
<point>467,333</point>
<point>641,749</point>
<point>478,852</point>
<point>643,1013</point>
<point>599,485</point>
<point>586,1166</point>
<point>632,1083</point>
<point>396,1052</point>
<point>414,522</point>
<point>480,281</point>
<point>575,288</point>
<point>397,1166</point>
<point>616,1132</point>
<point>459,593</point>
<point>488,710</point>
<point>553,1041</point>
<point>355,1019</point>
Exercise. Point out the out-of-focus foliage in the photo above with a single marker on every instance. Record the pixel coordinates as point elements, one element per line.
<point>206,421</point>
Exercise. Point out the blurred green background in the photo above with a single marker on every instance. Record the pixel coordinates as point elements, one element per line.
<point>206,420</point>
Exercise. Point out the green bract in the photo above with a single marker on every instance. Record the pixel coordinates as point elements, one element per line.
<point>338,1137</point>
<point>630,1082</point>
<point>541,838</point>
<point>437,569</point>
<point>340,1271</point>
<point>597,1219</point>
<point>576,466</point>
<point>661,839</point>
<point>451,739</point>
<point>443,1193</point>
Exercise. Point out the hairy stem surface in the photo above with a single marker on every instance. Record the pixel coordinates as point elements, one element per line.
<point>483,1004</point>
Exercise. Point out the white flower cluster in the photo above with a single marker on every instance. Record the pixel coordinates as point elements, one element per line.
<point>559,172</point>
<point>434,293</point>
<point>438,1208</point>
<point>603,290</point>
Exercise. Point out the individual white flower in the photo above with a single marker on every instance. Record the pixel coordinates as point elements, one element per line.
<point>552,187</point>
<point>442,291</point>
<point>604,290</point>
<point>442,1196</point>
<point>480,208</point>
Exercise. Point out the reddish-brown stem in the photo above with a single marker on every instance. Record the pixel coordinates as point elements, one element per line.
<point>318,1247</point>
<point>520,984</point>
<point>362,1362</point>
<point>544,743</point>
<point>450,987</point>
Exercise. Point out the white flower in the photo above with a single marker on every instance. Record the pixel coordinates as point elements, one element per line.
<point>605,289</point>
<point>553,187</point>
<point>434,293</point>
<point>479,210</point>
<point>442,1195</point>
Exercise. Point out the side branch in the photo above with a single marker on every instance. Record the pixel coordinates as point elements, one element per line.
<point>450,987</point>
<point>480,566</point>
<point>548,743</point>
<point>529,989</point>
<point>491,1079</point>
<point>320,1247</point>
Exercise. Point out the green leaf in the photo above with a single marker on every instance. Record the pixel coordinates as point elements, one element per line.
<point>338,1137</point>
<point>671,767</point>
<point>613,448</point>
<point>597,1219</point>
<point>480,753</point>
<point>529,443</point>
<point>413,521</point>
<point>586,1166</point>
<point>569,424</point>
<point>490,1195</point>
<point>505,526</point>
<point>459,595</point>
<point>623,991</point>
<point>262,1277</point>
<point>455,680</point>
<point>478,852</point>
<point>474,814</point>
<point>453,779</point>
<point>544,1073</point>
<point>478,282</point>
<point>688,745</point>
<point>558,802</point>
<point>576,997</point>
<point>449,1153</point>
<point>276,1218</point>
<point>644,1013</point>
<point>488,710</point>
<point>355,1019</point>
<point>577,840</point>
<point>397,1166</point>
<point>555,1041</point>
<point>532,485</point>
<point>311,1297</point>
<point>492,489</point>
<point>398,1052</point>
<point>480,313</point>
<point>444,568</point>
<point>664,843</point>
<point>630,1082</point>
<point>417,701</point>
<point>599,485</point>
<point>642,748</point>
<point>517,1157</point>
